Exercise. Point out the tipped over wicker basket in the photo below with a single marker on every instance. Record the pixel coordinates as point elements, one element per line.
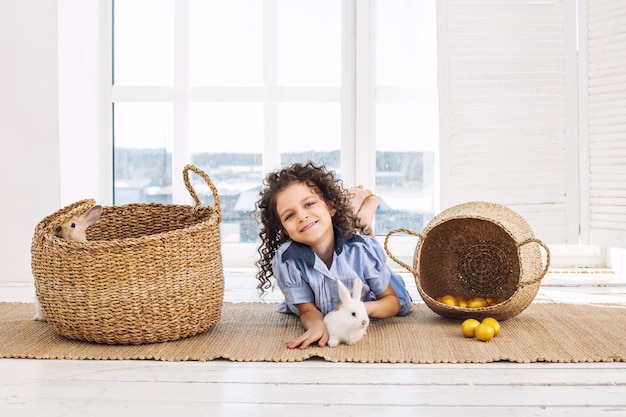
<point>148,273</point>
<point>477,249</point>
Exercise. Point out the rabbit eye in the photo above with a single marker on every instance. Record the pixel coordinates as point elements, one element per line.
<point>73,225</point>
<point>353,314</point>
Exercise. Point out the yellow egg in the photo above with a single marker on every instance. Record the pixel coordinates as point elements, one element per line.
<point>468,327</point>
<point>477,302</point>
<point>490,321</point>
<point>484,332</point>
<point>449,300</point>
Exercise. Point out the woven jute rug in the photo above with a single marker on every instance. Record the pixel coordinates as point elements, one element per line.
<point>256,332</point>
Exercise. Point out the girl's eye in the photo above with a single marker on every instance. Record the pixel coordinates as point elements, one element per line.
<point>289,216</point>
<point>309,203</point>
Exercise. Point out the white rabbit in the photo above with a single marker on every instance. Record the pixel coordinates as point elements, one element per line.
<point>348,324</point>
<point>73,229</point>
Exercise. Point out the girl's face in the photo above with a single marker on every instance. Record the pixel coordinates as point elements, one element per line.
<point>304,215</point>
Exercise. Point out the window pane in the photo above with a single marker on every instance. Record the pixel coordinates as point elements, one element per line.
<point>143,31</point>
<point>143,143</point>
<point>226,142</point>
<point>226,43</point>
<point>406,129</point>
<point>309,43</point>
<point>310,131</point>
<point>406,48</point>
<point>405,160</point>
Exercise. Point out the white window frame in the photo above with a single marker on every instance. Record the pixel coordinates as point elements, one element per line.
<point>357,97</point>
<point>181,94</point>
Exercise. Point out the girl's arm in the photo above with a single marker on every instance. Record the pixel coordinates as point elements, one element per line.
<point>386,305</point>
<point>315,330</point>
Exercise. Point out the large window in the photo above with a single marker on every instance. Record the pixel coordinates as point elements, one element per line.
<point>241,87</point>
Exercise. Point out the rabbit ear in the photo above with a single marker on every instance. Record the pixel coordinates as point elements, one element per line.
<point>357,288</point>
<point>93,215</point>
<point>344,293</point>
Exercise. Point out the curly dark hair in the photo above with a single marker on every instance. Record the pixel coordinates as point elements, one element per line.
<point>324,183</point>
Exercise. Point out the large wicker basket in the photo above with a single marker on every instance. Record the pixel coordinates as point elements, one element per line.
<point>148,273</point>
<point>477,249</point>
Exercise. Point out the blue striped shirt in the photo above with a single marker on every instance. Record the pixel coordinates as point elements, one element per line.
<point>303,277</point>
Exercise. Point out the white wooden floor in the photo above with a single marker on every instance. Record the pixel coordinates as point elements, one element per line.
<point>314,387</point>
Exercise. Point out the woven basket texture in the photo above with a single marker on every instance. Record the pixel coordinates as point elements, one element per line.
<point>148,273</point>
<point>477,249</point>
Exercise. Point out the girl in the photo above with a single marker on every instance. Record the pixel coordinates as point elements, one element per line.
<point>309,239</point>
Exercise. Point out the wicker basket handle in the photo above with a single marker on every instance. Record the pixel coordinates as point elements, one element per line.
<point>206,178</point>
<point>545,269</point>
<point>410,232</point>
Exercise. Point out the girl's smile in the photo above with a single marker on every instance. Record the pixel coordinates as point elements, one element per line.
<point>308,226</point>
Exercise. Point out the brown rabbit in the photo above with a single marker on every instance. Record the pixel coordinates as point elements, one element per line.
<point>73,229</point>
<point>76,227</point>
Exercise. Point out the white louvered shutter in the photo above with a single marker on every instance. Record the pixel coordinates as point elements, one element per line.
<point>508,105</point>
<point>604,128</point>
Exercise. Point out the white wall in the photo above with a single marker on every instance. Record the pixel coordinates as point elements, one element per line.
<point>51,81</point>
<point>29,157</point>
<point>85,151</point>
<point>85,141</point>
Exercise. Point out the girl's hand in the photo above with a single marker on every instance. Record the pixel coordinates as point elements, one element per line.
<point>313,322</point>
<point>314,334</point>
